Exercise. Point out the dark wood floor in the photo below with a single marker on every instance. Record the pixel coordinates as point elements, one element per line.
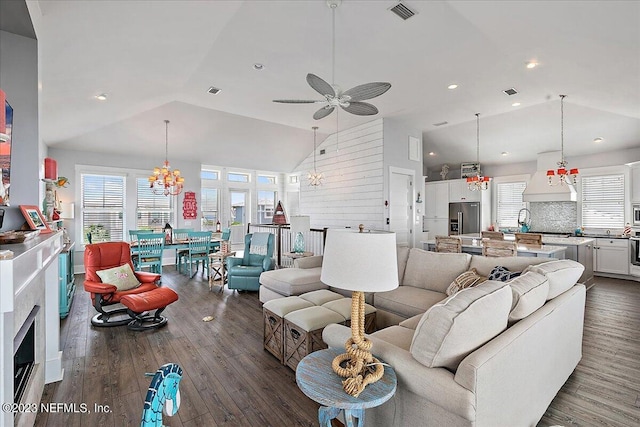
<point>230,380</point>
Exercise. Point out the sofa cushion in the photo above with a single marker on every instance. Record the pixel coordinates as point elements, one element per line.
<point>432,270</point>
<point>412,322</point>
<point>396,335</point>
<point>562,275</point>
<point>503,274</point>
<point>455,327</point>
<point>292,281</point>
<point>403,256</point>
<point>484,265</point>
<point>529,294</point>
<point>407,301</point>
<point>465,280</point>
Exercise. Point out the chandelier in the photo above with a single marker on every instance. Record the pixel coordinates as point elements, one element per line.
<point>164,180</point>
<point>560,176</point>
<point>314,177</point>
<point>477,181</point>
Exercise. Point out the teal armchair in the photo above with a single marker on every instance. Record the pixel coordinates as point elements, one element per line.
<point>244,273</point>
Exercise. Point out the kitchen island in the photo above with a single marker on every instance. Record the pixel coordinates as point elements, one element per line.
<point>473,245</point>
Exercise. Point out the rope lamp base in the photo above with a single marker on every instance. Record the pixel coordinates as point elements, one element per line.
<point>357,365</point>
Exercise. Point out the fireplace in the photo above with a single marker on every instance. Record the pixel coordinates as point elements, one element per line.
<point>24,354</point>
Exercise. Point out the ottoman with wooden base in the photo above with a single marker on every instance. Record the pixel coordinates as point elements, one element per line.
<point>343,307</point>
<point>137,304</point>
<point>303,332</point>
<point>321,296</point>
<point>273,313</point>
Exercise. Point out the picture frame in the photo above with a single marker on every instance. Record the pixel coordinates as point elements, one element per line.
<point>34,218</point>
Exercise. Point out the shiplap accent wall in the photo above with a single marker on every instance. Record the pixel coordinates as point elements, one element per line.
<point>352,188</point>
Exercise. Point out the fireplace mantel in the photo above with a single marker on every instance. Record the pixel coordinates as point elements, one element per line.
<point>27,280</point>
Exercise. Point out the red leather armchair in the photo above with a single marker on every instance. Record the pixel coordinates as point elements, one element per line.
<point>102,256</point>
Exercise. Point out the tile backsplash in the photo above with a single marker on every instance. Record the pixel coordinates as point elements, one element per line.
<point>554,217</point>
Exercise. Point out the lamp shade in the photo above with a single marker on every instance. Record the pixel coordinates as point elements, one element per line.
<point>67,210</point>
<point>300,224</point>
<point>357,261</point>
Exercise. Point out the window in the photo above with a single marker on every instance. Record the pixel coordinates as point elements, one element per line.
<point>102,207</point>
<point>603,201</point>
<point>209,208</point>
<point>266,206</point>
<point>237,177</point>
<point>509,203</point>
<point>293,179</point>
<point>153,211</point>
<point>266,179</point>
<point>209,175</point>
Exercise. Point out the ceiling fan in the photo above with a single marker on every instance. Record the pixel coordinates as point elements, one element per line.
<point>349,100</point>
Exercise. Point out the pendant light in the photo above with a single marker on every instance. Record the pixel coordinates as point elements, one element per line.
<point>164,180</point>
<point>560,176</point>
<point>478,182</point>
<point>314,177</point>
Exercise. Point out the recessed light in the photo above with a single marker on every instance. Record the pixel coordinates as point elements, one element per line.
<point>505,153</point>
<point>214,90</point>
<point>515,104</point>
<point>598,140</point>
<point>431,153</point>
<point>101,97</point>
<point>532,64</point>
<point>258,67</point>
<point>453,86</point>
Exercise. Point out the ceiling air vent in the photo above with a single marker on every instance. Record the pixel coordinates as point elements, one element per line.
<point>214,90</point>
<point>441,123</point>
<point>510,91</point>
<point>402,11</point>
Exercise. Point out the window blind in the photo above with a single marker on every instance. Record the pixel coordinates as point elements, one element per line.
<point>603,201</point>
<point>102,207</point>
<point>209,207</point>
<point>153,211</point>
<point>509,203</point>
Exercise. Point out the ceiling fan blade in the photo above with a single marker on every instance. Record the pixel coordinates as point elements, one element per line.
<point>361,109</point>
<point>367,91</point>
<point>323,112</point>
<point>320,86</point>
<point>297,101</point>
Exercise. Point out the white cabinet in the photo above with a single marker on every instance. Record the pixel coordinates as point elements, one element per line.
<point>611,256</point>
<point>436,227</point>
<point>459,192</point>
<point>436,200</point>
<point>635,184</point>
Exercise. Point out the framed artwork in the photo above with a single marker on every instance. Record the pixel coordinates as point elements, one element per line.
<point>34,218</point>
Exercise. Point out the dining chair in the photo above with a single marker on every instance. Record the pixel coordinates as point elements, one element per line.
<point>150,249</point>
<point>180,235</point>
<point>134,236</point>
<point>451,244</point>
<point>492,235</point>
<point>199,247</point>
<point>499,248</point>
<point>529,239</point>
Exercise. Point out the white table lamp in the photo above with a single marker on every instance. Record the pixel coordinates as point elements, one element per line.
<point>359,261</point>
<point>67,210</point>
<point>299,225</point>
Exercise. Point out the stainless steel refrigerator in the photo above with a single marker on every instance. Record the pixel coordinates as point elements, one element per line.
<point>464,218</point>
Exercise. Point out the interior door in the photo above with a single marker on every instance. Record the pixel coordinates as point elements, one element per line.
<point>401,207</point>
<point>239,213</point>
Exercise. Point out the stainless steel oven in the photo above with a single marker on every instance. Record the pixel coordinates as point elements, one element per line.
<point>636,215</point>
<point>634,242</point>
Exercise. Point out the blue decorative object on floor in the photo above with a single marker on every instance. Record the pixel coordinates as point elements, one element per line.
<point>164,393</point>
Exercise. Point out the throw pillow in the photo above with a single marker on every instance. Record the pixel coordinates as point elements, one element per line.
<point>465,280</point>
<point>121,277</point>
<point>503,274</point>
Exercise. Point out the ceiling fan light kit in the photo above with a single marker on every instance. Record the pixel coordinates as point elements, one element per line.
<point>350,100</point>
<point>561,176</point>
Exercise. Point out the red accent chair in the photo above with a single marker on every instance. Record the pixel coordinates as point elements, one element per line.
<point>102,256</point>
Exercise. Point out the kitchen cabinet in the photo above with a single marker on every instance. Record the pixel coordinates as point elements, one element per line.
<point>66,283</point>
<point>611,256</point>
<point>436,199</point>
<point>635,184</point>
<point>585,257</point>
<point>459,192</point>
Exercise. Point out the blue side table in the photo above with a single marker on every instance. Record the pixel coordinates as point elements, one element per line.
<point>317,380</point>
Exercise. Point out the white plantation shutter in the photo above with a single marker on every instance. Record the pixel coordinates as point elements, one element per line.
<point>209,207</point>
<point>603,201</point>
<point>102,207</point>
<point>153,211</point>
<point>509,203</point>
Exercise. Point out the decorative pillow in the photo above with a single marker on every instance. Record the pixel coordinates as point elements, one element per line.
<point>465,280</point>
<point>503,274</point>
<point>529,294</point>
<point>121,277</point>
<point>452,329</point>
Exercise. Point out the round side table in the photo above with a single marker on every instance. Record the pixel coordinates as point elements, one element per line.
<point>317,380</point>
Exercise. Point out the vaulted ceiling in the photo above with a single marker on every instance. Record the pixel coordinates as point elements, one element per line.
<point>155,60</point>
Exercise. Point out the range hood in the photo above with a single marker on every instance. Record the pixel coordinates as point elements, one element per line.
<point>538,188</point>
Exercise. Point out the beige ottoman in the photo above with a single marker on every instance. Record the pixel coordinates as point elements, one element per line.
<point>343,307</point>
<point>273,314</point>
<point>303,332</point>
<point>321,296</point>
<point>289,282</point>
